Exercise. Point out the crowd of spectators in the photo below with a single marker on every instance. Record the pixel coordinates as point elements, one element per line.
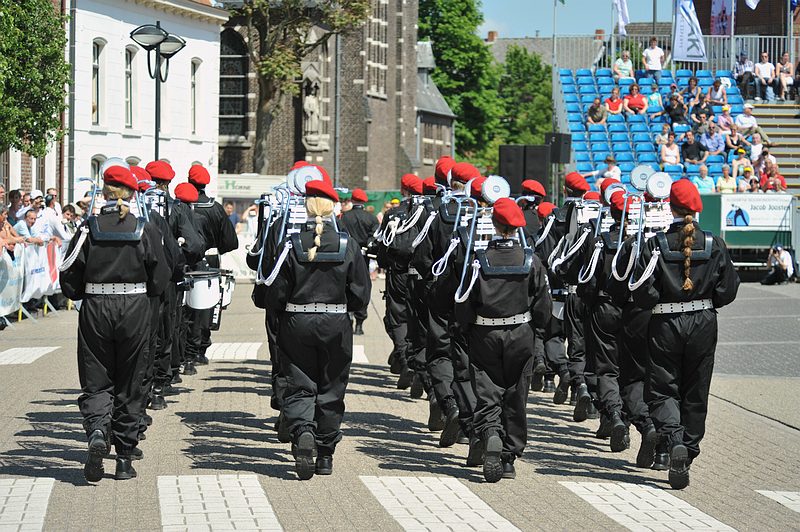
<point>766,80</point>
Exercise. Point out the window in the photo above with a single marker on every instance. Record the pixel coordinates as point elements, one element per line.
<point>325,90</point>
<point>129,54</point>
<point>233,86</point>
<point>41,172</point>
<point>97,103</point>
<point>133,160</point>
<point>97,163</point>
<point>377,47</point>
<point>193,95</point>
<point>5,170</point>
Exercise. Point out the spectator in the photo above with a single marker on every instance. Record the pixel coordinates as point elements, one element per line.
<point>749,182</point>
<point>716,93</point>
<point>692,151</point>
<point>654,101</point>
<point>56,206</point>
<point>596,113</point>
<point>735,140</point>
<point>8,236</point>
<point>785,76</point>
<point>653,60</point>
<point>661,138</point>
<point>2,194</point>
<point>612,170</point>
<point>743,74</point>
<point>675,110</point>
<point>765,78</point>
<point>700,126</point>
<point>623,67</point>
<point>26,200</point>
<point>713,140</point>
<point>691,94</point>
<point>726,184</point>
<point>797,80</point>
<point>15,199</point>
<point>725,120</point>
<point>765,158</point>
<point>704,183</point>
<point>702,108</point>
<point>781,266</point>
<point>740,162</point>
<point>756,146</point>
<point>69,218</point>
<point>232,216</point>
<point>51,221</point>
<point>24,226</point>
<point>772,180</point>
<point>748,125</point>
<point>635,103</point>
<point>614,102</point>
<point>670,153</point>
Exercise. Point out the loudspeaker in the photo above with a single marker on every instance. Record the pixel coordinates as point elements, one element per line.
<point>512,166</point>
<point>537,164</point>
<point>560,147</point>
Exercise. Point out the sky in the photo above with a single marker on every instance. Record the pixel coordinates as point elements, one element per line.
<point>521,18</point>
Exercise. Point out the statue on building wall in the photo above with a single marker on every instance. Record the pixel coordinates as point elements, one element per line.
<point>311,109</point>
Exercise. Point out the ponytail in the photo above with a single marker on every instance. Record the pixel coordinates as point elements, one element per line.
<point>123,209</point>
<point>319,208</point>
<point>121,194</point>
<point>687,232</point>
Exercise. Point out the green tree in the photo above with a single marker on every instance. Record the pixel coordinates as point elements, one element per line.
<point>527,95</point>
<point>279,38</point>
<point>33,75</point>
<point>466,74</point>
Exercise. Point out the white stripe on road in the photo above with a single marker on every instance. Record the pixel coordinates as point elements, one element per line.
<point>434,503</point>
<point>790,499</point>
<point>359,357</point>
<point>643,507</point>
<point>233,351</point>
<point>23,502</point>
<point>23,355</point>
<point>214,502</point>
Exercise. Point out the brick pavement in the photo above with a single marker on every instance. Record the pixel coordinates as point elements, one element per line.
<point>219,429</point>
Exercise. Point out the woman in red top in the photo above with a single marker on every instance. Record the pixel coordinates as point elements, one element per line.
<point>614,103</point>
<point>635,103</point>
<point>772,180</point>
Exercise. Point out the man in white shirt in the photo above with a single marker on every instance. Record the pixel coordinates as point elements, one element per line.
<point>781,266</point>
<point>623,67</point>
<point>748,125</point>
<point>653,59</point>
<point>57,206</point>
<point>765,78</point>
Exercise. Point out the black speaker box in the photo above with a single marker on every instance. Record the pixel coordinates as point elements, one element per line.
<point>560,147</point>
<point>512,166</point>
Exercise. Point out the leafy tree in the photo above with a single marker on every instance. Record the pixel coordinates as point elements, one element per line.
<point>527,95</point>
<point>33,75</point>
<point>279,38</point>
<point>466,74</point>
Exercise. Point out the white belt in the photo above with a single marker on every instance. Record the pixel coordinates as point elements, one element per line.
<point>679,308</point>
<point>318,308</point>
<point>573,289</point>
<point>212,252</point>
<point>511,320</point>
<point>121,289</point>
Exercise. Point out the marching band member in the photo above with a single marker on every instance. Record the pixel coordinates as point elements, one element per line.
<point>683,275</point>
<point>499,316</point>
<point>113,266</point>
<point>321,280</point>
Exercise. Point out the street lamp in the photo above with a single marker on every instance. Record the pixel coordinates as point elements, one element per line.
<point>153,38</point>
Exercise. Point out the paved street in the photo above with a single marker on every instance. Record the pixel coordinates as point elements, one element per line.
<point>213,462</point>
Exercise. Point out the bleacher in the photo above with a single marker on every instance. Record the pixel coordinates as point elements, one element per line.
<point>631,139</point>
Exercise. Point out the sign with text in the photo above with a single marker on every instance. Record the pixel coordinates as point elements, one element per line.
<point>247,186</point>
<point>760,212</point>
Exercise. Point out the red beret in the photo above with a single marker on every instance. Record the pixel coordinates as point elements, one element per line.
<point>607,183</point>
<point>160,170</point>
<point>507,212</point>
<point>575,181</point>
<point>429,185</point>
<point>325,176</point>
<point>475,187</point>
<point>463,172</point>
<point>359,195</point>
<point>443,167</point>
<point>684,195</point>
<point>592,195</point>
<point>186,193</point>
<point>618,201</point>
<point>321,189</point>
<point>411,183</point>
<point>545,209</point>
<point>531,186</point>
<point>299,164</point>
<point>199,176</point>
<point>119,175</point>
<point>142,177</point>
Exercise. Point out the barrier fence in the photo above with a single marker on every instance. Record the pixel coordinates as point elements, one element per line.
<point>31,274</point>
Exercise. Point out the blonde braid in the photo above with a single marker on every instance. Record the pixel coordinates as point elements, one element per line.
<point>687,232</point>
<point>320,208</point>
<point>121,194</point>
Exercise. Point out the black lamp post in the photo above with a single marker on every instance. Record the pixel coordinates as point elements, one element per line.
<point>165,45</point>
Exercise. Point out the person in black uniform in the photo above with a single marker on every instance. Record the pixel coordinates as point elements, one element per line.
<point>113,266</point>
<point>220,238</point>
<point>683,275</point>
<point>360,225</point>
<point>323,278</point>
<point>499,315</point>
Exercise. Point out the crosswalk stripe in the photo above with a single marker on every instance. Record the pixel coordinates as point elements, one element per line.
<point>790,499</point>
<point>359,356</point>
<point>643,507</point>
<point>23,355</point>
<point>233,351</point>
<point>434,503</point>
<point>23,502</point>
<point>215,502</point>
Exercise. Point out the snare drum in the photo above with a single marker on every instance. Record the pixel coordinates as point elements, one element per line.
<point>204,289</point>
<point>228,284</point>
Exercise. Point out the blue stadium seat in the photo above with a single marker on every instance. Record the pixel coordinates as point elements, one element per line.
<point>585,82</point>
<point>639,128</point>
<point>646,90</point>
<point>724,74</point>
<point>618,128</point>
<point>605,91</point>
<point>579,136</point>
<point>637,119</point>
<point>732,90</point>
<point>599,157</point>
<point>583,157</point>
<point>598,137</point>
<point>620,137</point>
<point>575,117</point>
<point>715,170</point>
<point>588,90</point>
<point>692,176</point>
<point>568,89</point>
<point>666,74</point>
<point>647,158</point>
<point>576,128</point>
<point>705,83</point>
<point>655,166</point>
<point>571,98</point>
<point>573,108</point>
<point>567,81</point>
<point>597,128</point>
<point>600,146</point>
<point>620,147</point>
<point>580,146</point>
<point>704,74</point>
<point>564,71</point>
<point>692,168</point>
<point>605,82</point>
<point>665,82</point>
<point>625,82</point>
<point>655,128</point>
<point>583,72</point>
<point>625,179</point>
<point>627,167</point>
<point>680,129</point>
<point>675,176</point>
<point>653,109</point>
<point>673,168</point>
<point>603,73</point>
<point>736,100</point>
<point>624,157</point>
<point>737,109</point>
<point>683,73</point>
<point>587,98</point>
<point>586,107</point>
<point>717,109</point>
<point>715,159</point>
<point>641,137</point>
<point>616,119</point>
<point>682,82</point>
<point>645,147</point>
<point>584,167</point>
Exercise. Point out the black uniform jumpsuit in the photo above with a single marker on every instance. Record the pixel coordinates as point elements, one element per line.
<point>114,330</point>
<point>317,348</point>
<point>682,345</point>
<point>360,225</point>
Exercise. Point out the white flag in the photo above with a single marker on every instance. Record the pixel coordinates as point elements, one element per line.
<point>687,40</point>
<point>752,4</point>
<point>622,15</point>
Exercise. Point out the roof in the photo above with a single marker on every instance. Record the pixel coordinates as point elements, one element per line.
<point>573,52</point>
<point>429,99</point>
<point>646,28</point>
<point>425,58</point>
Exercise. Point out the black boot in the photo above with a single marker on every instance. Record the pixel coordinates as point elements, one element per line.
<point>201,360</point>
<point>405,378</point>
<point>125,470</point>
<point>604,430</point>
<point>549,386</point>
<point>591,412</point>
<point>492,466</point>
<point>158,402</point>
<point>572,397</point>
<point>359,329</point>
<point>417,387</point>
<point>324,465</point>
<point>475,453</point>
<point>463,439</point>
<point>560,395</point>
<point>451,426</point>
<point>166,390</point>
<point>539,369</point>
<point>647,449</point>
<point>136,454</point>
<point>176,379</point>
<point>620,439</point>
<point>93,470</point>
<point>582,403</point>
<point>147,419</point>
<point>189,369</point>
<point>508,470</point>
<point>435,418</point>
<point>283,430</point>
<point>679,467</point>
<point>661,459</point>
<point>305,454</point>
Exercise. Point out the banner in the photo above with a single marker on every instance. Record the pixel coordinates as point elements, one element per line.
<point>721,17</point>
<point>12,275</point>
<point>759,212</point>
<point>688,37</point>
<point>622,16</point>
<point>54,258</point>
<point>37,274</point>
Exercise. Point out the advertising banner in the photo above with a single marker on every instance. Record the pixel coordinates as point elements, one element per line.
<point>760,212</point>
<point>12,275</point>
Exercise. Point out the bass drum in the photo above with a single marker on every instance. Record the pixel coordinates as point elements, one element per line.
<point>204,289</point>
<point>228,284</point>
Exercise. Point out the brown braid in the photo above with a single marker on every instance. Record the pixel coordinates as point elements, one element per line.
<point>687,232</point>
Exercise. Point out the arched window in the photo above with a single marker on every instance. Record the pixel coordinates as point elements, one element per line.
<point>130,54</point>
<point>133,160</point>
<point>97,163</point>
<point>233,86</point>
<point>97,80</point>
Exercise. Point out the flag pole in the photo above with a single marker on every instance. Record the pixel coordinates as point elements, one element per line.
<point>555,63</point>
<point>734,53</point>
